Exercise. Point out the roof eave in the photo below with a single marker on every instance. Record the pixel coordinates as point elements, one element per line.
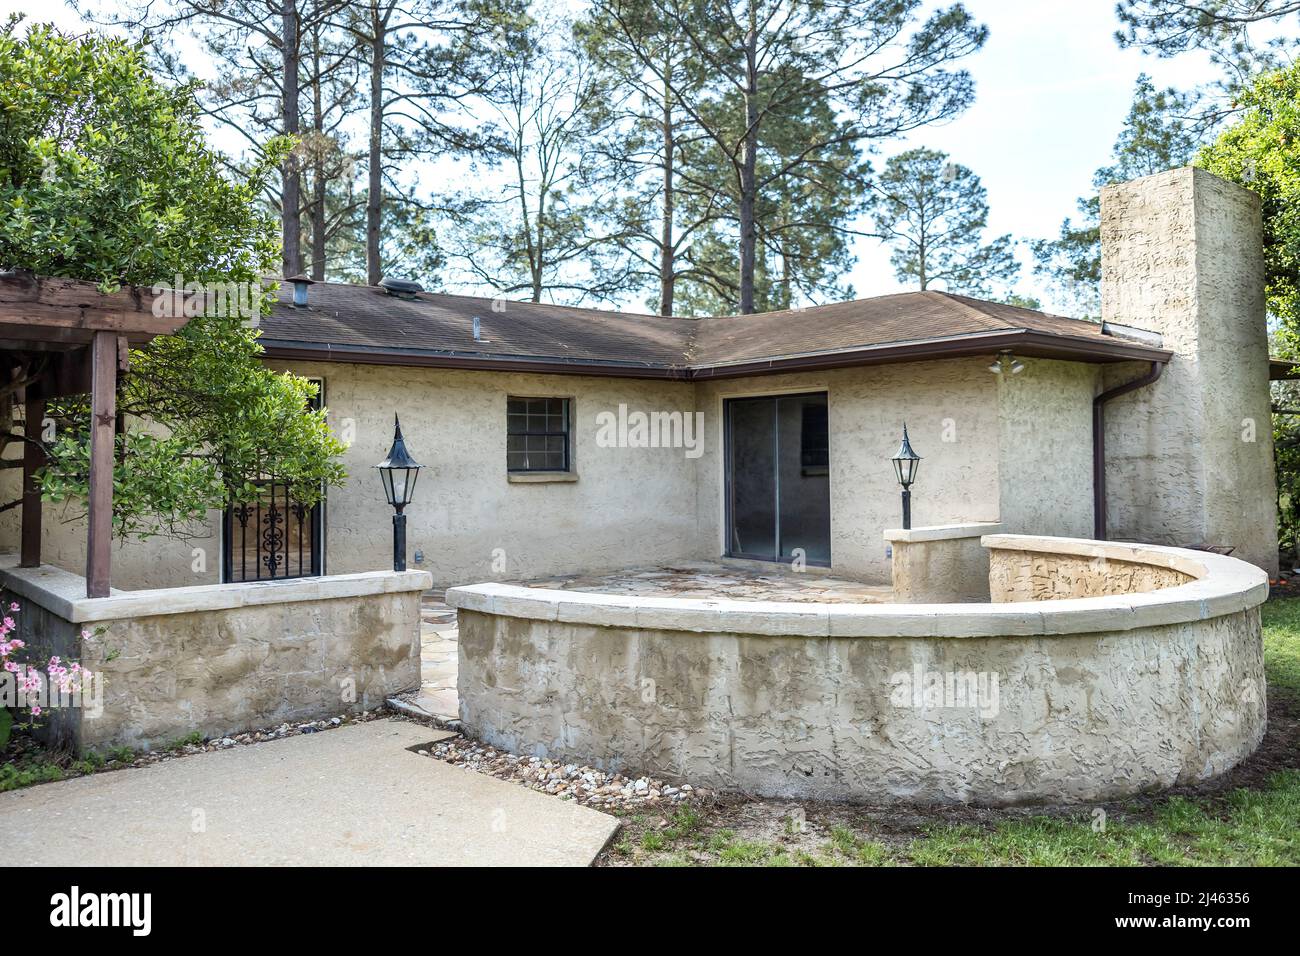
<point>1024,342</point>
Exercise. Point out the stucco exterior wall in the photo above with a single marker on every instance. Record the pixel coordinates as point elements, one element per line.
<point>940,565</point>
<point>633,506</point>
<point>1190,458</point>
<point>1045,447</point>
<point>1043,576</point>
<point>157,562</point>
<point>470,520</point>
<point>951,412</point>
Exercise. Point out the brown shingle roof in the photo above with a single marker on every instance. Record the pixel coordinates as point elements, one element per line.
<point>365,324</point>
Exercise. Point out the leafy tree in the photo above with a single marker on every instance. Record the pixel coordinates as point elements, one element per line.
<point>1157,135</point>
<point>882,70</point>
<point>934,213</point>
<point>1220,27</point>
<point>424,62</point>
<point>105,175</point>
<point>270,52</point>
<point>548,231</point>
<point>1242,37</point>
<point>647,141</point>
<point>802,219</point>
<point>1261,152</point>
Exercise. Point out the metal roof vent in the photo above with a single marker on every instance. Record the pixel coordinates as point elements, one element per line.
<point>300,285</point>
<point>402,288</point>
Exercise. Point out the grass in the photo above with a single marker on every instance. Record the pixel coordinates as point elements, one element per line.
<point>1246,827</point>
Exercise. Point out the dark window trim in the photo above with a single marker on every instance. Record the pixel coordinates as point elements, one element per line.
<point>566,434</point>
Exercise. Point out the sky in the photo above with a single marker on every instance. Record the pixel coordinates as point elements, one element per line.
<point>1052,91</point>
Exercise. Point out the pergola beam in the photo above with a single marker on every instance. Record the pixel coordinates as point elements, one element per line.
<point>72,317</point>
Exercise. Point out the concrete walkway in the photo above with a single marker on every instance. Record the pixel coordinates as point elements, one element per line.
<point>352,796</point>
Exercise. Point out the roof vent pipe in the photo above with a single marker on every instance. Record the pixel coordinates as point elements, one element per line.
<point>300,284</point>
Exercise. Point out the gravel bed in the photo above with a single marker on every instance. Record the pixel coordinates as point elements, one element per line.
<point>145,758</point>
<point>588,786</point>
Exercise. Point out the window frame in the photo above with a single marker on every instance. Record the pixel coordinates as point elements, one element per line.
<point>566,435</point>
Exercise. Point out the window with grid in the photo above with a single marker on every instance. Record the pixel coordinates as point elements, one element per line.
<point>537,434</point>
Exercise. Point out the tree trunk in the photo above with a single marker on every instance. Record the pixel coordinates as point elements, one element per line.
<point>291,185</point>
<point>666,251</point>
<point>748,166</point>
<point>375,187</point>
<point>539,259</point>
<point>318,174</point>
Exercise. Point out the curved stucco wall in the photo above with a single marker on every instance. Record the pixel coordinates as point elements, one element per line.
<point>1071,699</point>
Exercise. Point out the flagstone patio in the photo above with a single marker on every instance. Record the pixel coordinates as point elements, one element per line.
<point>711,580</point>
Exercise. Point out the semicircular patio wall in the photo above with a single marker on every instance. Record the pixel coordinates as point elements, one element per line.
<point>1156,680</point>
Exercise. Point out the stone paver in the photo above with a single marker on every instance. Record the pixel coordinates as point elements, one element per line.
<point>352,796</point>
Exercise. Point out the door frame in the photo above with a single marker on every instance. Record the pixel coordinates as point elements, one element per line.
<point>728,492</point>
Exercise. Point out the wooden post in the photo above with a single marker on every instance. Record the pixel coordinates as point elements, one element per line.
<point>33,458</point>
<point>103,416</point>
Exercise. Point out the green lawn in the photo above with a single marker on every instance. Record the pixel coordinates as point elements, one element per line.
<point>1254,827</point>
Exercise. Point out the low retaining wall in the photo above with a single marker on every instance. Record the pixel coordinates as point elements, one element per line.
<point>1076,569</point>
<point>940,564</point>
<point>225,658</point>
<point>1070,699</point>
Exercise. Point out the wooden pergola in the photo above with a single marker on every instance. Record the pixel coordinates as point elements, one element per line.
<point>83,337</point>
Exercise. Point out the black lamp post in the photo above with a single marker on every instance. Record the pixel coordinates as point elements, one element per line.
<point>906,464</point>
<point>398,473</point>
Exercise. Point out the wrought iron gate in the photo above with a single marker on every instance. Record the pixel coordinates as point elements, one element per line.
<point>271,537</point>
<point>274,536</point>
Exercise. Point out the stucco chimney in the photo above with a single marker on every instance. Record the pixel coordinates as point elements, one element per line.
<point>1189,459</point>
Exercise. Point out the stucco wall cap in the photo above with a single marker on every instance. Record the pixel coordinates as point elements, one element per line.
<point>52,588</point>
<point>1224,585</point>
<point>944,532</point>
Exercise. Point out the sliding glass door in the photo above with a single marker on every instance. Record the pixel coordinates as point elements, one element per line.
<point>778,478</point>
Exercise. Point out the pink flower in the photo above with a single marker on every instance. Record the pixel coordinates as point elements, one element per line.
<point>36,710</point>
<point>14,607</point>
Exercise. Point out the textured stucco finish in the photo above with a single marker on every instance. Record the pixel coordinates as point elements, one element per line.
<point>950,566</point>
<point>1045,447</point>
<point>252,664</point>
<point>951,411</point>
<point>1190,458</point>
<point>1095,697</point>
<point>648,505</point>
<point>1038,576</point>
<point>1079,717</point>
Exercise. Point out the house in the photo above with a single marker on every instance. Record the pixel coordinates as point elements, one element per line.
<point>560,439</point>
